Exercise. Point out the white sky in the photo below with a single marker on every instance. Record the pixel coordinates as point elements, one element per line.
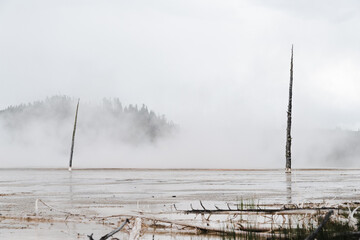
<point>207,65</point>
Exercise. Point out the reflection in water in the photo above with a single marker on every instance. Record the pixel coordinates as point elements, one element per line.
<point>288,188</point>
<point>71,188</point>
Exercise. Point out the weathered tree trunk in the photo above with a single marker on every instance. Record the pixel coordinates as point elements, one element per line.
<point>288,129</point>
<point>73,136</point>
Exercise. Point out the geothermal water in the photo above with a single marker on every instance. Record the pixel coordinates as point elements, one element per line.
<point>105,192</point>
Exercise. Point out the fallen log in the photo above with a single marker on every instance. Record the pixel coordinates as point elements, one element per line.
<point>270,210</point>
<point>202,228</point>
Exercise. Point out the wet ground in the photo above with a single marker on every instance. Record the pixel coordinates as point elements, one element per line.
<point>115,192</point>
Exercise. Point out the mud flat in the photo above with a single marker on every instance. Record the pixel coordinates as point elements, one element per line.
<point>57,204</point>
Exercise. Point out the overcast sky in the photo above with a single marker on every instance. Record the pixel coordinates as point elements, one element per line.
<point>205,64</point>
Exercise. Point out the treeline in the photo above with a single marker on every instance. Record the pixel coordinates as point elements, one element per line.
<point>107,120</point>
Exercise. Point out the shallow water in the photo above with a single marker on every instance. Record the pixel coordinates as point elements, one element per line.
<point>111,192</point>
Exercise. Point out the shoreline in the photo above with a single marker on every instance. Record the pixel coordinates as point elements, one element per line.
<point>177,169</point>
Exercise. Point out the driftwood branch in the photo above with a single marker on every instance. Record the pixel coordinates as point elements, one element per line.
<point>110,233</point>
<point>115,231</point>
<point>326,219</point>
<point>202,206</point>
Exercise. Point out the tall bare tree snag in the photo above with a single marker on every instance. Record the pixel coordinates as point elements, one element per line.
<point>73,137</point>
<point>288,129</point>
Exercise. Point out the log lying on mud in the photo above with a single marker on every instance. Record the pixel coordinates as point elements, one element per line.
<point>200,228</point>
<point>268,223</point>
<point>265,211</point>
<point>294,209</point>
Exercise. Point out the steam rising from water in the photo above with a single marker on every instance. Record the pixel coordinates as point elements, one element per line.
<point>110,135</point>
<point>218,69</point>
<point>41,130</point>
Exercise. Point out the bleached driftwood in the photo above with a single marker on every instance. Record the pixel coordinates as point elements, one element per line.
<point>274,220</point>
<point>201,228</point>
<point>135,231</point>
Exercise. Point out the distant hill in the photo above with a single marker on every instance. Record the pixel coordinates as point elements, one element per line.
<point>109,120</point>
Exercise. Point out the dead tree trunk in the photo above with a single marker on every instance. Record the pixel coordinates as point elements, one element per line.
<point>73,136</point>
<point>288,129</point>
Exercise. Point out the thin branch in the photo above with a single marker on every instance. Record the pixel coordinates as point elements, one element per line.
<point>203,206</point>
<point>115,231</point>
